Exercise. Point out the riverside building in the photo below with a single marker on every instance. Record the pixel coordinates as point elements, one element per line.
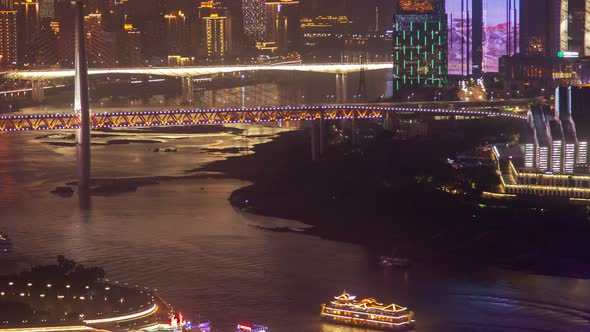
<point>554,156</point>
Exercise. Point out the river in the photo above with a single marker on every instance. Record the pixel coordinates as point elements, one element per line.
<point>183,238</point>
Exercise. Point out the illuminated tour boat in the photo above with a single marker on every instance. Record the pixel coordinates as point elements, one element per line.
<point>251,328</point>
<point>345,309</point>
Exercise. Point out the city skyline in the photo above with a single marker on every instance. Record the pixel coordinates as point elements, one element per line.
<point>233,166</point>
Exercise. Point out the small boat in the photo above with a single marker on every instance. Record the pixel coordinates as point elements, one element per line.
<point>5,245</point>
<point>394,261</point>
<point>251,328</point>
<point>204,326</point>
<point>346,309</point>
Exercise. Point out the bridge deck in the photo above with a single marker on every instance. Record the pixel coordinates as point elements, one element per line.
<point>196,71</point>
<point>189,117</point>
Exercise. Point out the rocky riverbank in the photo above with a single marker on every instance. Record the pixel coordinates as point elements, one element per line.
<point>390,197</point>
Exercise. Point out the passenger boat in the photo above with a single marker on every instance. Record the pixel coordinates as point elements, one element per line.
<point>345,309</point>
<point>251,328</point>
<point>5,245</point>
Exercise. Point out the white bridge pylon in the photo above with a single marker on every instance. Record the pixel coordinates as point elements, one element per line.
<point>333,68</point>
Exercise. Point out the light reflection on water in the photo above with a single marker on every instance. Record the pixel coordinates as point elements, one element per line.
<point>183,238</point>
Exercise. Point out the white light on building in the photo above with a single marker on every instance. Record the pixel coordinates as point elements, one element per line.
<point>570,156</point>
<point>582,153</point>
<point>543,158</point>
<point>556,148</point>
<point>529,155</point>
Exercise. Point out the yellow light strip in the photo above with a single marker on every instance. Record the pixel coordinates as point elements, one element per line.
<point>369,320</point>
<point>122,318</point>
<point>376,307</point>
<point>366,313</point>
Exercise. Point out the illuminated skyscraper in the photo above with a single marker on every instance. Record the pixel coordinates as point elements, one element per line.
<point>6,4</point>
<point>131,45</point>
<point>217,35</point>
<point>28,26</point>
<point>282,23</point>
<point>558,25</point>
<point>420,44</point>
<point>216,29</point>
<point>552,139</point>
<point>563,24</point>
<point>94,38</point>
<point>480,32</point>
<point>47,9</point>
<point>576,36</point>
<point>8,38</point>
<point>179,34</point>
<point>254,18</point>
<point>101,40</point>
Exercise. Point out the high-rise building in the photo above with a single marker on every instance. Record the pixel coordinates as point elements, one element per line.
<point>282,23</point>
<point>216,29</point>
<point>8,38</point>
<point>6,4</point>
<point>556,26</point>
<point>179,29</point>
<point>480,32</point>
<point>47,9</point>
<point>131,46</point>
<point>552,137</point>
<point>97,6</point>
<point>420,44</point>
<point>254,18</point>
<point>101,40</point>
<point>575,26</point>
<point>47,41</point>
<point>536,37</point>
<point>28,26</point>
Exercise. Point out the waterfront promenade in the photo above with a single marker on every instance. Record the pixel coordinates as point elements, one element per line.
<point>71,297</point>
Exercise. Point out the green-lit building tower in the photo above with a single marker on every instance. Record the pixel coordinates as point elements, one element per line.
<point>420,44</point>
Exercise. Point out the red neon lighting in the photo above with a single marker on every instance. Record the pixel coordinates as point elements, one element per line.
<point>177,320</point>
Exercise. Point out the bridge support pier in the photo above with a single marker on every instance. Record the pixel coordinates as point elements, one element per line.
<point>38,92</point>
<point>314,141</point>
<point>322,135</point>
<point>317,139</point>
<point>354,134</point>
<point>341,90</point>
<point>188,88</point>
<point>214,98</point>
<point>82,106</point>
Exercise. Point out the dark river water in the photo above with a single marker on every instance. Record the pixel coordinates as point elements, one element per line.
<point>183,238</point>
<point>206,258</point>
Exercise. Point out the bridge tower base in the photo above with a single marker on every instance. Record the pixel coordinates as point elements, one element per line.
<point>341,88</point>
<point>38,92</point>
<point>322,135</point>
<point>317,139</point>
<point>188,88</point>
<point>314,142</point>
<point>354,133</point>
